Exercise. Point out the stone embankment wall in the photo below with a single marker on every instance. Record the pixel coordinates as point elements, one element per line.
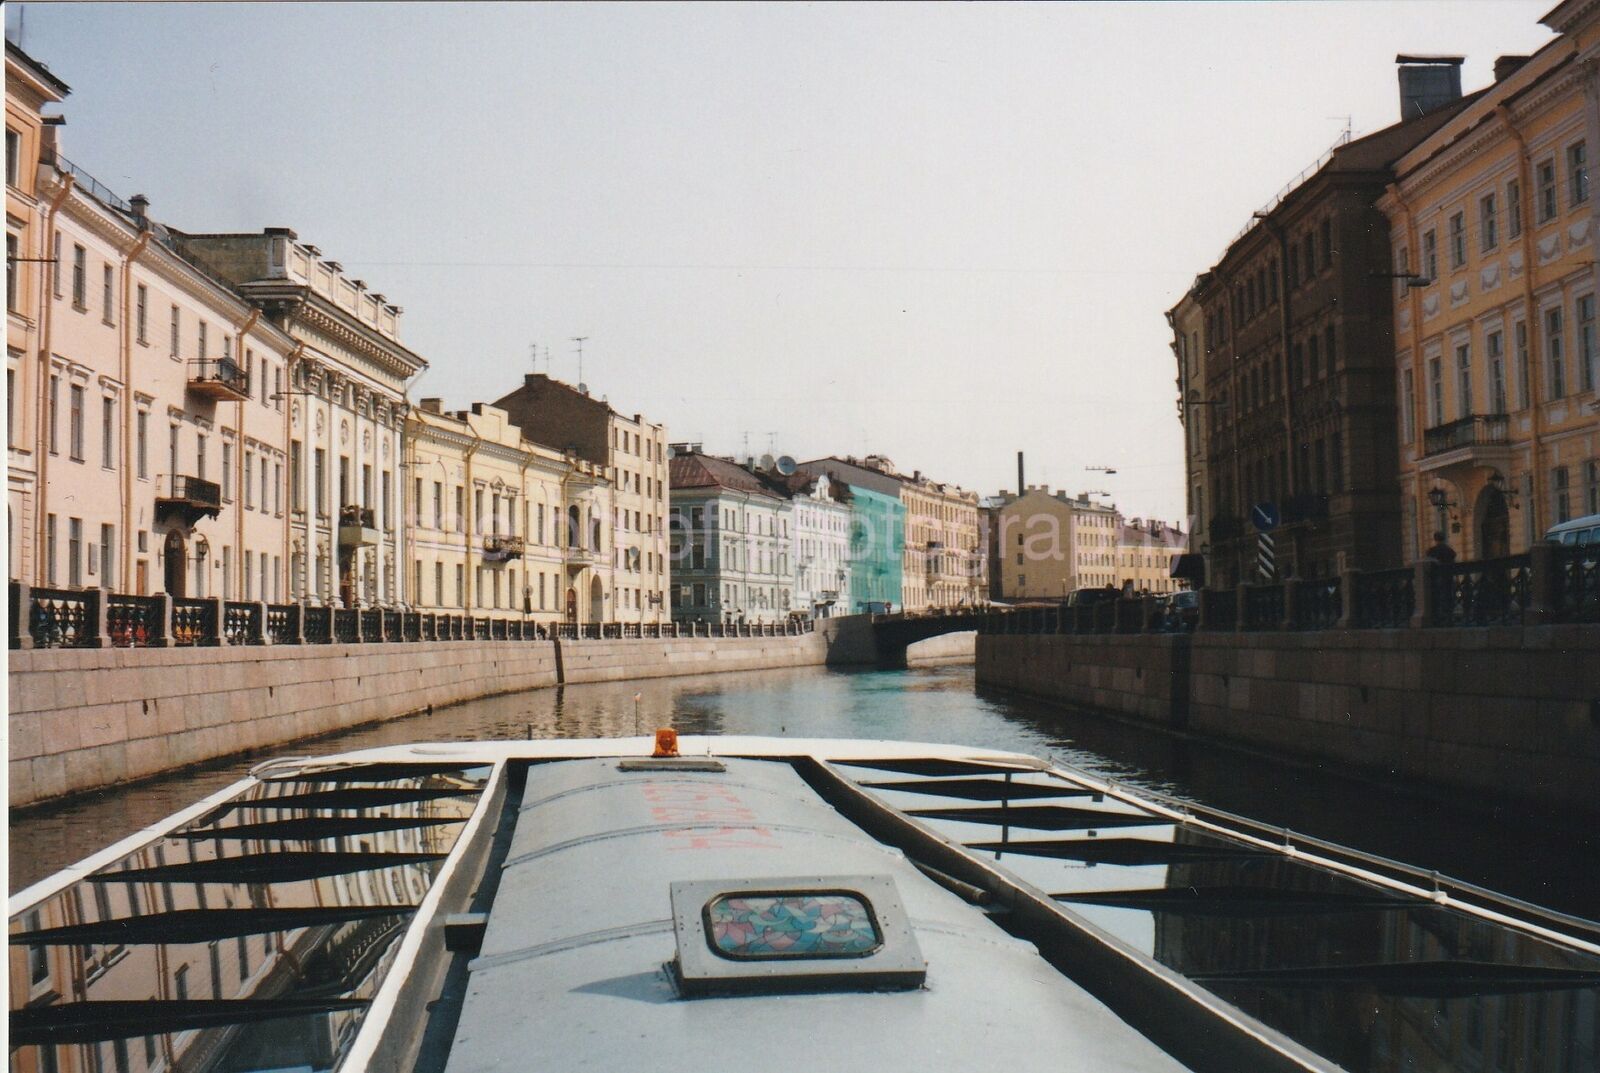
<point>82,719</point>
<point>1509,711</point>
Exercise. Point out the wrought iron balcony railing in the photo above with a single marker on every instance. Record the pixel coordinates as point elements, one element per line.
<point>497,548</point>
<point>1474,430</point>
<point>219,378</point>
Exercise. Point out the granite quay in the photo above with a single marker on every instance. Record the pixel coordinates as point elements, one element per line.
<point>1478,676</point>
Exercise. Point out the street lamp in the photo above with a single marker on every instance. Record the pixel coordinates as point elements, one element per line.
<point>1497,481</point>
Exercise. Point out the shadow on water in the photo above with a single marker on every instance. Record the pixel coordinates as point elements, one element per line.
<point>1547,859</point>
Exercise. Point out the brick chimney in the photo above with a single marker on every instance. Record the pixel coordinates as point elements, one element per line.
<point>1506,66</point>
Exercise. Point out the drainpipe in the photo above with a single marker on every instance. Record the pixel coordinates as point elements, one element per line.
<point>1524,181</point>
<point>289,361</point>
<point>41,453</point>
<point>241,333</point>
<point>1418,373</point>
<point>467,501</point>
<point>128,408</point>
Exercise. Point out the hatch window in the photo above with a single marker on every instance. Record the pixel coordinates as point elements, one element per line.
<point>791,924</point>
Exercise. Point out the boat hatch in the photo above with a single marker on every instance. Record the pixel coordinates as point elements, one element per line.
<point>806,933</point>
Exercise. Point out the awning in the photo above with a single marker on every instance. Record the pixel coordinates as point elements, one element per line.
<point>1190,566</point>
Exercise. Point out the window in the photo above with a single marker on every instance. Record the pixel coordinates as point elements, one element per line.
<point>1558,372</point>
<point>80,277</point>
<point>50,549</point>
<point>141,312</point>
<point>227,472</point>
<point>1408,407</point>
<point>1497,372</point>
<point>1458,240</point>
<point>1524,379</point>
<point>13,158</point>
<point>141,443</point>
<point>1577,174</point>
<point>172,342</point>
<point>438,505</point>
<point>55,266</point>
<point>1514,208</point>
<point>12,254</point>
<point>108,433</point>
<point>75,552</point>
<point>1488,235</point>
<point>75,423</point>
<point>277,488</point>
<point>320,476</point>
<point>108,286</point>
<point>1430,255</point>
<point>1586,343</point>
<point>1561,495</point>
<point>249,478</point>
<point>1311,256</point>
<point>201,340</point>
<point>1327,243</point>
<point>1292,265</point>
<point>108,540</point>
<point>1464,380</point>
<point>1313,361</point>
<point>1435,393</point>
<point>200,456</point>
<point>1545,175</point>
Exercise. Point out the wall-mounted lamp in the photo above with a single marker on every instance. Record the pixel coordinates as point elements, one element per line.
<point>1498,482</point>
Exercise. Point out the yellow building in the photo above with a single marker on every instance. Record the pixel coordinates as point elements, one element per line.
<point>1497,342</point>
<point>1146,549</point>
<point>942,564</point>
<point>1048,544</point>
<point>501,523</point>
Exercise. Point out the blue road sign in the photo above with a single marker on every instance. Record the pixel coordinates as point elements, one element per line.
<point>1264,516</point>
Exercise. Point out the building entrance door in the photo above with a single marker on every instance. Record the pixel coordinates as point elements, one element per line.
<point>141,578</point>
<point>1494,524</point>
<point>173,562</point>
<point>572,605</point>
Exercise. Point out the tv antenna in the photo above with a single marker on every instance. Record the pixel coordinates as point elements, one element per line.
<point>580,340</point>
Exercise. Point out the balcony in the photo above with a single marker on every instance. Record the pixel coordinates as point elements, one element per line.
<point>579,557</point>
<point>188,499</point>
<point>1478,439</point>
<point>357,527</point>
<point>499,549</point>
<point>219,379</point>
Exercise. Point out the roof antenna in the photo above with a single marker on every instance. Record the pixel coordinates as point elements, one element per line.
<point>580,340</point>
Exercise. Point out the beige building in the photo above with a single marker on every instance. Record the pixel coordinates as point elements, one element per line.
<point>344,384</point>
<point>631,453</point>
<point>943,564</point>
<point>501,523</point>
<point>1146,551</point>
<point>1497,342</point>
<point>1049,544</point>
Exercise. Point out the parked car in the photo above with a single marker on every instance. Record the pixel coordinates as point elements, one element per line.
<point>1185,607</point>
<point>1581,531</point>
<point>1090,597</point>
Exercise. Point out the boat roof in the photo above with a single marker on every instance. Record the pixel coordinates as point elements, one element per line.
<point>574,964</point>
<point>842,904</point>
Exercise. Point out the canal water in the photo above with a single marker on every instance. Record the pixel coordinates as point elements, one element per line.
<point>1548,859</point>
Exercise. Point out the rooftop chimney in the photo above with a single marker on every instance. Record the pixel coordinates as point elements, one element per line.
<point>140,206</point>
<point>1427,83</point>
<point>433,406</point>
<point>1506,66</point>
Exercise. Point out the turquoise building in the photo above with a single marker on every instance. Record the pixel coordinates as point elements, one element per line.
<point>877,531</point>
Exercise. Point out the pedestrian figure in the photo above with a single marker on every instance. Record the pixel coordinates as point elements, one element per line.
<point>1441,552</point>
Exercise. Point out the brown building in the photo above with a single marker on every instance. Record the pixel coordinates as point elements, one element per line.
<point>633,452</point>
<point>1298,363</point>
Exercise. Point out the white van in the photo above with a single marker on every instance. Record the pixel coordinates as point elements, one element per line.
<point>1580,531</point>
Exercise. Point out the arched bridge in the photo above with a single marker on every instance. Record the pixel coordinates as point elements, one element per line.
<point>894,633</point>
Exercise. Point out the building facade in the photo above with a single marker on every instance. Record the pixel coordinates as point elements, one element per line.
<point>1049,544</point>
<point>1496,342</point>
<point>148,451</point>
<point>344,386</point>
<point>877,529</point>
<point>1297,364</point>
<point>1187,321</point>
<point>942,565</point>
<point>731,541</point>
<point>633,455</point>
<point>820,541</point>
<point>497,522</point>
<point>1146,552</point>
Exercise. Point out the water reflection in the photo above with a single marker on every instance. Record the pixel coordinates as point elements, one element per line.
<point>251,939</point>
<point>1548,859</point>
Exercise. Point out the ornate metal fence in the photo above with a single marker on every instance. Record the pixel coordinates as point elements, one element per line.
<point>135,621</point>
<point>194,622</point>
<point>1318,604</point>
<point>60,618</point>
<point>241,623</point>
<point>1577,584</point>
<point>1483,593</point>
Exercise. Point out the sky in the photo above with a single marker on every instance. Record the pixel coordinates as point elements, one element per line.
<point>940,233</point>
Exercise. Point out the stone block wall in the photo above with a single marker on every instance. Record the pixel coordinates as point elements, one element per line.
<point>1513,712</point>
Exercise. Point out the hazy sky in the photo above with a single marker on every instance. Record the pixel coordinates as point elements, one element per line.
<point>939,233</point>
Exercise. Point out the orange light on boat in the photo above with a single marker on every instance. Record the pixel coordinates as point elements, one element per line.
<point>666,742</point>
